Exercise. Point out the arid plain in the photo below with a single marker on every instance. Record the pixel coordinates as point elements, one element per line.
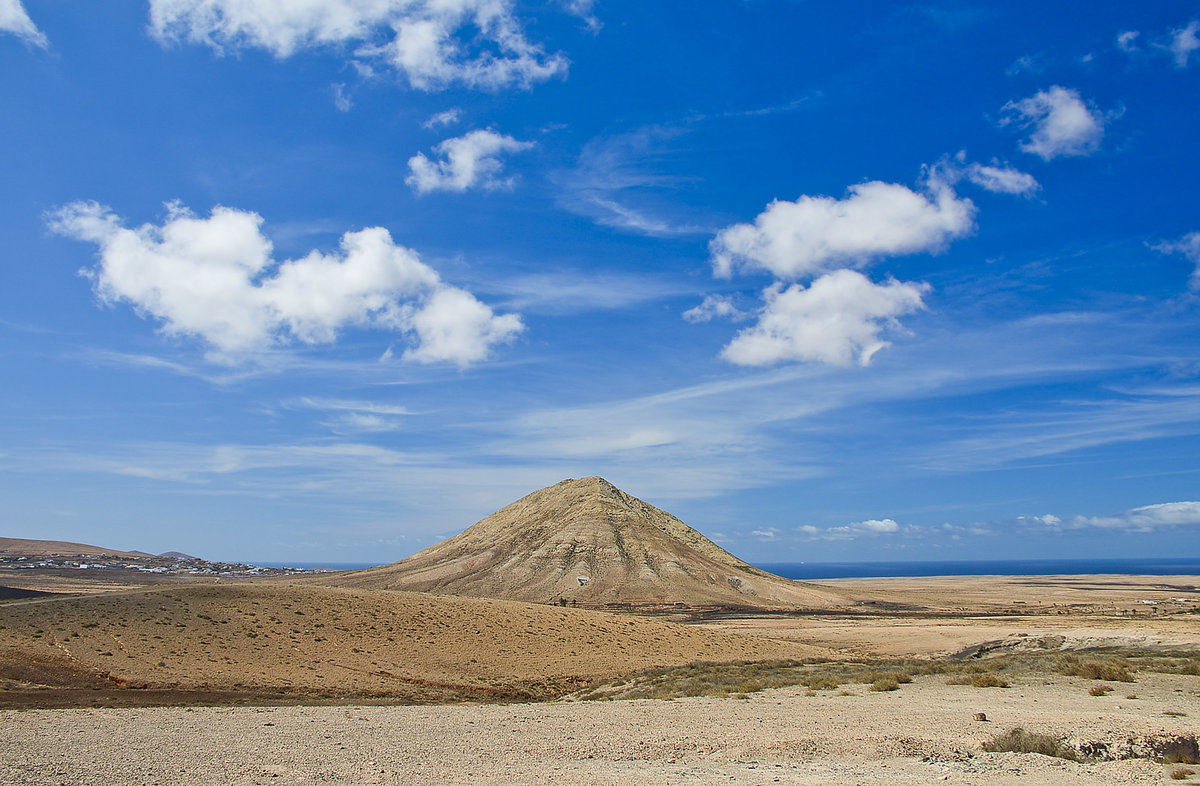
<point>329,680</point>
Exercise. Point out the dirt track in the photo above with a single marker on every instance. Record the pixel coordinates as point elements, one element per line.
<point>923,733</point>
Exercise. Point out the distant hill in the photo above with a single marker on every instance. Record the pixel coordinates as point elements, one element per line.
<point>176,555</point>
<point>585,542</point>
<point>22,547</point>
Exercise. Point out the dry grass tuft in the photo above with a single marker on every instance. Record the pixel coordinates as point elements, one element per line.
<point>1182,773</point>
<point>1018,740</point>
<point>1100,690</point>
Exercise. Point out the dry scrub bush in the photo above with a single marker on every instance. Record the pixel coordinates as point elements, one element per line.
<point>885,684</point>
<point>1100,690</point>
<point>1110,669</point>
<point>986,680</point>
<point>725,679</point>
<point>1181,773</point>
<point>899,677</point>
<point>1020,741</point>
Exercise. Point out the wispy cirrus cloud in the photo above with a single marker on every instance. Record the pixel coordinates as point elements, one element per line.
<point>618,181</point>
<point>573,292</point>
<point>1189,247</point>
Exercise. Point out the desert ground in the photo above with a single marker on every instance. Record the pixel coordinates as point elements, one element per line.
<point>923,733</point>
<point>315,684</point>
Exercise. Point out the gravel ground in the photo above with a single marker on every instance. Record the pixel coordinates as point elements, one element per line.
<point>923,733</point>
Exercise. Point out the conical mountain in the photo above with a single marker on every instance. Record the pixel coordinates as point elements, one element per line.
<point>587,543</point>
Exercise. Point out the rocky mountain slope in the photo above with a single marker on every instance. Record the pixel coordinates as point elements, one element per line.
<point>587,543</point>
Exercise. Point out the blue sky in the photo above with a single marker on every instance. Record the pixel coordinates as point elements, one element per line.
<point>333,279</point>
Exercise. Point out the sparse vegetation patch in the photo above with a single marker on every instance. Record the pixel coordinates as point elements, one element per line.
<point>1018,740</point>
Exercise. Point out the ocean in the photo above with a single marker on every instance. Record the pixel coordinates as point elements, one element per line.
<point>857,570</point>
<point>1038,567</point>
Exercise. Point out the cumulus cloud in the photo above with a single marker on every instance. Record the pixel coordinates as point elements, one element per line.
<point>1181,42</point>
<point>815,234</point>
<point>454,325</point>
<point>216,279</point>
<point>466,161</point>
<point>1062,123</point>
<point>433,43</point>
<point>858,529</point>
<point>838,320</point>
<point>14,19</point>
<point>1189,246</point>
<point>1143,519</point>
<point>713,307</point>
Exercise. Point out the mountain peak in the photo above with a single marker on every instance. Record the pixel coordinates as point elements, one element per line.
<point>586,542</point>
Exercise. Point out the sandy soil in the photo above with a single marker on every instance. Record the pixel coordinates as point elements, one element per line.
<point>332,642</point>
<point>924,733</point>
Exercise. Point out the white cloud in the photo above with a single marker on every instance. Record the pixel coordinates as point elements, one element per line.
<point>1189,246</point>
<point>341,99</point>
<point>814,234</point>
<point>618,182</point>
<point>345,405</point>
<point>454,325</point>
<point>583,9</point>
<point>714,307</point>
<point>1026,64</point>
<point>433,43</point>
<point>1127,40</point>
<point>1063,124</point>
<point>446,118</point>
<point>466,161</point>
<point>858,529</point>
<point>1182,42</point>
<point>13,19</point>
<point>1002,179</point>
<point>1143,519</point>
<point>215,278</point>
<point>566,291</point>
<point>997,177</point>
<point>836,320</point>
<point>878,525</point>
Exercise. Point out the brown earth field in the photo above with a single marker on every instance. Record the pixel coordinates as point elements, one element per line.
<point>276,640</point>
<point>1108,668</point>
